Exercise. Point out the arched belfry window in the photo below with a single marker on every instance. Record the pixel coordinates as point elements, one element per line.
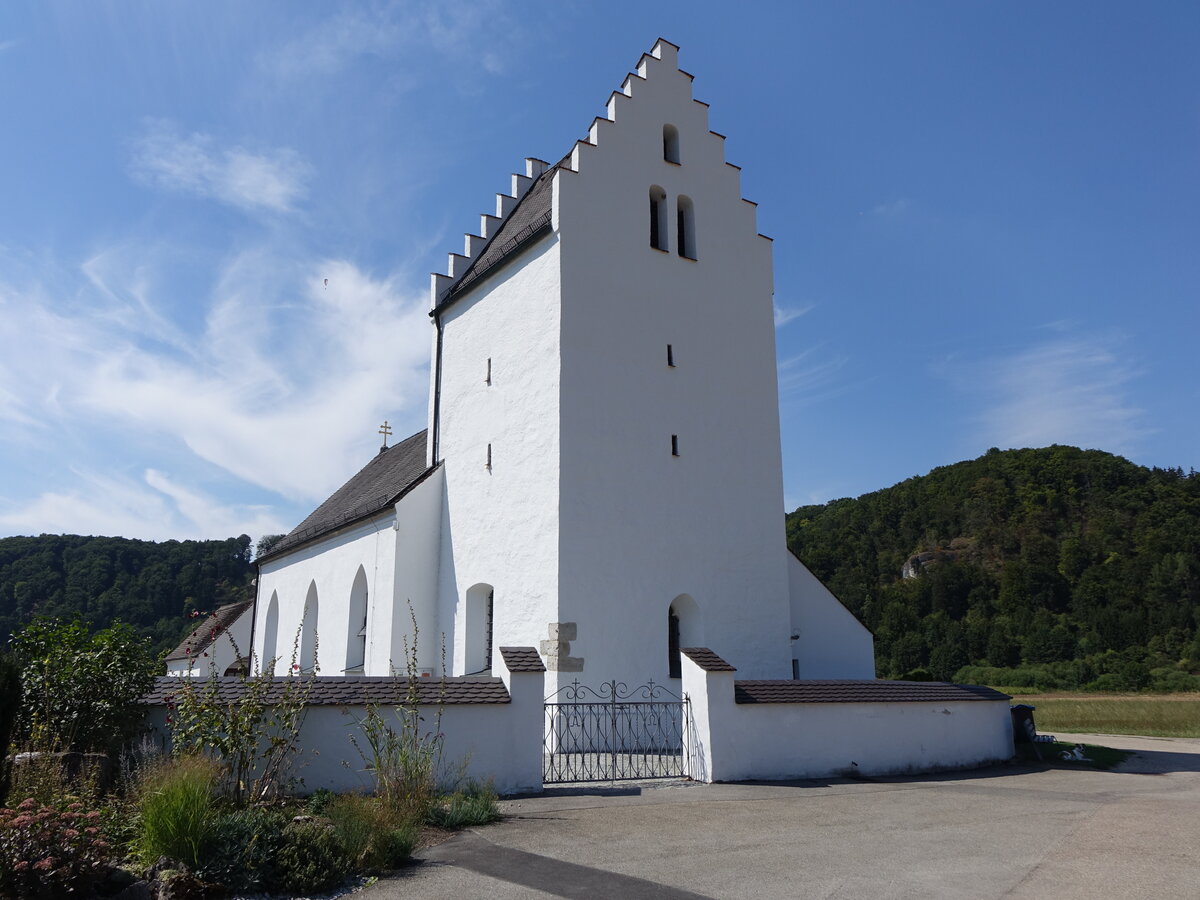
<point>658,218</point>
<point>685,232</point>
<point>671,144</point>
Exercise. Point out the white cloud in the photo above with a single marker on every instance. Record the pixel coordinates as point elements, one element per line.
<point>1070,390</point>
<point>271,180</point>
<point>281,387</point>
<point>404,33</point>
<point>785,314</point>
<point>156,509</point>
<point>891,209</point>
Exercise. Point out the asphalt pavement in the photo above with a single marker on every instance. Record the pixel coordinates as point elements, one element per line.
<point>1064,832</point>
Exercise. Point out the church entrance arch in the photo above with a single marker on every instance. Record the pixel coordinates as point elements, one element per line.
<point>685,628</point>
<point>477,629</point>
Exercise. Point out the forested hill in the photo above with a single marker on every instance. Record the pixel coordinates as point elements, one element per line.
<point>152,586</point>
<point>1065,567</point>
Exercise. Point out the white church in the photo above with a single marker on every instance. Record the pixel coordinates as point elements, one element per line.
<point>601,475</point>
<point>597,500</point>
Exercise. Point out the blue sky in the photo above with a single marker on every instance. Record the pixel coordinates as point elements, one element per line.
<point>985,219</point>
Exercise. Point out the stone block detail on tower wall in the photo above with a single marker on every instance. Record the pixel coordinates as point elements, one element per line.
<point>557,650</point>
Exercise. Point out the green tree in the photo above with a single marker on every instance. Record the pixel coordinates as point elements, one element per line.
<point>81,690</point>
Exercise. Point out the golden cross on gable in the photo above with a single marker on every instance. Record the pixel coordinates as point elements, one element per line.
<point>386,431</point>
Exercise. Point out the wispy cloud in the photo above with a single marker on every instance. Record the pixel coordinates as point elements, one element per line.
<point>891,209</point>
<point>466,35</point>
<point>7,45</point>
<point>811,375</point>
<point>155,509</point>
<point>1069,390</point>
<point>281,386</point>
<point>785,314</point>
<point>271,180</point>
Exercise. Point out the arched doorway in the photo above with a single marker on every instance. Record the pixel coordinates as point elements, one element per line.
<point>684,629</point>
<point>270,641</point>
<point>477,629</point>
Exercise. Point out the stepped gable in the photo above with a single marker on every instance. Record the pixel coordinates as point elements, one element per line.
<point>390,475</point>
<point>203,635</point>
<point>856,691</point>
<point>349,690</point>
<point>525,213</point>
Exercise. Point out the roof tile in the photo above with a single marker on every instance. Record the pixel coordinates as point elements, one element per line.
<point>522,659</point>
<point>854,691</point>
<point>706,659</point>
<point>350,690</point>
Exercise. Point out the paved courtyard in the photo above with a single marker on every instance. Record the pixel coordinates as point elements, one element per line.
<point>1002,832</point>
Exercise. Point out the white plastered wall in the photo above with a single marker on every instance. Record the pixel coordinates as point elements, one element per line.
<point>830,642</point>
<point>418,531</point>
<point>731,741</point>
<point>331,564</point>
<point>639,526</point>
<point>500,525</point>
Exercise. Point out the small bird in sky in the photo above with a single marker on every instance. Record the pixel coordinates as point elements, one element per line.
<point>326,284</point>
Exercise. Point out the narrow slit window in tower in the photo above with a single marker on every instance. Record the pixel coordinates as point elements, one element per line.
<point>670,356</point>
<point>488,378</point>
<point>674,445</point>
<point>488,464</point>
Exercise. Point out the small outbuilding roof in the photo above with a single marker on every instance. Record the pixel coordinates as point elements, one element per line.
<point>349,690</point>
<point>390,475</point>
<point>202,636</point>
<point>856,691</point>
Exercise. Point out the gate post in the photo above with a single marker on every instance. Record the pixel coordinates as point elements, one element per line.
<point>523,674</point>
<point>708,686</point>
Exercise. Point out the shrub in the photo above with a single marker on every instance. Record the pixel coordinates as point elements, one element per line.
<point>46,852</point>
<point>372,835</point>
<point>242,854</point>
<point>311,858</point>
<point>81,690</point>
<point>475,804</point>
<point>254,731</point>
<point>318,802</point>
<point>177,810</point>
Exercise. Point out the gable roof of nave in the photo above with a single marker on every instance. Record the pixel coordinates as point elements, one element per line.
<point>374,488</point>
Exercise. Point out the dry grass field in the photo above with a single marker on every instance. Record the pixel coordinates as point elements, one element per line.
<point>1155,715</point>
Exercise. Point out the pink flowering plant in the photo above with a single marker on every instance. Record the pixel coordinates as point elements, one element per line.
<point>45,852</point>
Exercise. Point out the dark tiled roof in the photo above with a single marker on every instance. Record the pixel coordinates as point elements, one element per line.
<point>860,692</point>
<point>522,659</point>
<point>706,659</point>
<point>350,690</point>
<point>378,485</point>
<point>209,630</point>
<point>530,217</point>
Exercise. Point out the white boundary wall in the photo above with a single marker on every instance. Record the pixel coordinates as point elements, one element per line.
<point>501,742</point>
<point>728,741</point>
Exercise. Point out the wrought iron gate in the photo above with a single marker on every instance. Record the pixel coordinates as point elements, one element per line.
<point>613,733</point>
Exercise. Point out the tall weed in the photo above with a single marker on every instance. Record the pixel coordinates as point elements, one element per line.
<point>178,810</point>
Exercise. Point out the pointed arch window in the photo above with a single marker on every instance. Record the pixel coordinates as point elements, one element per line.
<point>658,218</point>
<point>671,144</point>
